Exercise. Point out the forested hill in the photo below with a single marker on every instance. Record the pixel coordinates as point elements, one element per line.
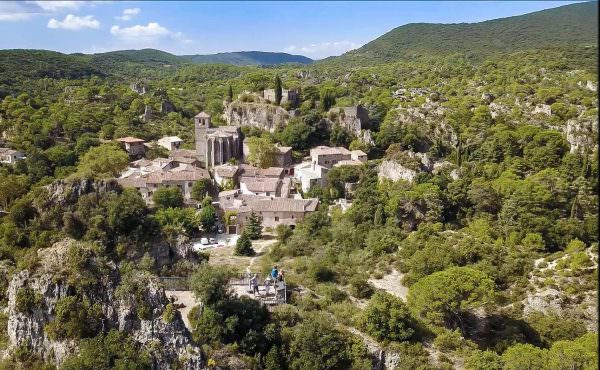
<point>245,58</point>
<point>570,25</point>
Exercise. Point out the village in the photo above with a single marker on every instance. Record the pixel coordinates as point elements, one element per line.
<point>274,193</point>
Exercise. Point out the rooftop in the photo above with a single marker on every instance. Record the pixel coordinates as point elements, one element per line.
<point>261,184</point>
<point>203,115</point>
<point>327,150</point>
<point>226,170</point>
<point>170,139</point>
<point>130,140</point>
<point>269,204</point>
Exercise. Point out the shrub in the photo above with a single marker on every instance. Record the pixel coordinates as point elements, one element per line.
<point>169,313</point>
<point>74,319</point>
<point>360,287</point>
<point>27,300</point>
<point>387,318</point>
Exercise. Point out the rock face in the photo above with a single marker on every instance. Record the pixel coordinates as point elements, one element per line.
<point>171,339</point>
<point>581,134</point>
<point>395,171</point>
<point>61,192</point>
<point>166,107</point>
<point>261,115</point>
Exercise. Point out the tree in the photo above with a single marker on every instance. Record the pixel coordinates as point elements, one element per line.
<point>387,318</point>
<point>443,297</point>
<point>253,226</point>
<point>262,152</point>
<point>296,134</point>
<point>207,217</point>
<point>327,98</point>
<point>167,197</point>
<point>12,187</point>
<point>316,344</point>
<point>106,160</point>
<point>524,356</point>
<point>243,246</point>
<point>229,94</point>
<point>210,284</point>
<point>278,90</point>
<point>126,212</point>
<point>22,211</point>
<point>200,189</point>
<point>339,136</point>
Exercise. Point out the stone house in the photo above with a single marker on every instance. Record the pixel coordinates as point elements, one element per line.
<point>328,156</point>
<point>266,186</point>
<point>286,95</point>
<point>10,156</point>
<point>182,177</point>
<point>226,175</point>
<point>353,119</point>
<point>133,146</point>
<point>271,211</point>
<point>171,143</point>
<point>309,174</point>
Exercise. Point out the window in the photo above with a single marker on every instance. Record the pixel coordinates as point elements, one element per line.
<point>268,193</point>
<point>276,218</point>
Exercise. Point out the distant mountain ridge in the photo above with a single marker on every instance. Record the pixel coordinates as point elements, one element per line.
<point>245,58</point>
<point>566,26</point>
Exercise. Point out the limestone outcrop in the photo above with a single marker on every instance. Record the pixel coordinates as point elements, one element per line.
<point>171,342</point>
<point>255,114</point>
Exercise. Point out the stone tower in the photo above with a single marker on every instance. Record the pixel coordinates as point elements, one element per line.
<point>201,126</point>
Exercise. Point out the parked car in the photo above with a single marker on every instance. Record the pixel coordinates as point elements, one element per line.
<point>204,241</point>
<point>212,241</point>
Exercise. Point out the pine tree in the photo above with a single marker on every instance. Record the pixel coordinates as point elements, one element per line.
<point>254,227</point>
<point>278,90</point>
<point>379,216</point>
<point>243,246</point>
<point>229,94</point>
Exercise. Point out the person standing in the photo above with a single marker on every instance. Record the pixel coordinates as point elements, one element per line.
<point>268,282</point>
<point>254,285</point>
<point>274,273</point>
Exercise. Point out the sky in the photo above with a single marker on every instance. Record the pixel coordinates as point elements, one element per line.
<point>313,29</point>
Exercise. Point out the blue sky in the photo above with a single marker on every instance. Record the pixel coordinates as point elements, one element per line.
<point>314,29</point>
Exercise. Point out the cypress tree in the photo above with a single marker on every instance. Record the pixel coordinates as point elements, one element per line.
<point>229,94</point>
<point>254,227</point>
<point>243,246</point>
<point>278,90</point>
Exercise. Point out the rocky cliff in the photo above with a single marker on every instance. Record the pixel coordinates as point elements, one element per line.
<point>28,327</point>
<point>256,114</point>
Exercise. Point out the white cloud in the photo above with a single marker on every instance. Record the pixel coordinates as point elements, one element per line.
<point>323,49</point>
<point>55,6</point>
<point>151,31</point>
<point>74,23</point>
<point>128,14</point>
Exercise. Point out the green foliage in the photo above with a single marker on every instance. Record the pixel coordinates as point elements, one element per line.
<point>27,300</point>
<point>201,189</point>
<point>169,313</point>
<point>113,350</point>
<point>318,344</point>
<point>253,226</point>
<point>443,297</point>
<point>552,327</point>
<point>167,197</point>
<point>361,288</point>
<point>210,284</point>
<point>261,152</point>
<point>107,160</point>
<point>387,318</point>
<point>243,246</point>
<point>74,318</point>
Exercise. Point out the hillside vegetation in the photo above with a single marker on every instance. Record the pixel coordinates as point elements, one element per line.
<point>570,25</point>
<point>470,242</point>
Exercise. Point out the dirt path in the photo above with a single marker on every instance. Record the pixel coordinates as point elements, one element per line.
<point>259,248</point>
<point>392,283</point>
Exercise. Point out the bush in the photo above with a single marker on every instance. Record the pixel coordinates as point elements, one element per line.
<point>387,318</point>
<point>169,313</point>
<point>167,197</point>
<point>321,273</point>
<point>27,300</point>
<point>74,319</point>
<point>360,287</point>
<point>552,327</point>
